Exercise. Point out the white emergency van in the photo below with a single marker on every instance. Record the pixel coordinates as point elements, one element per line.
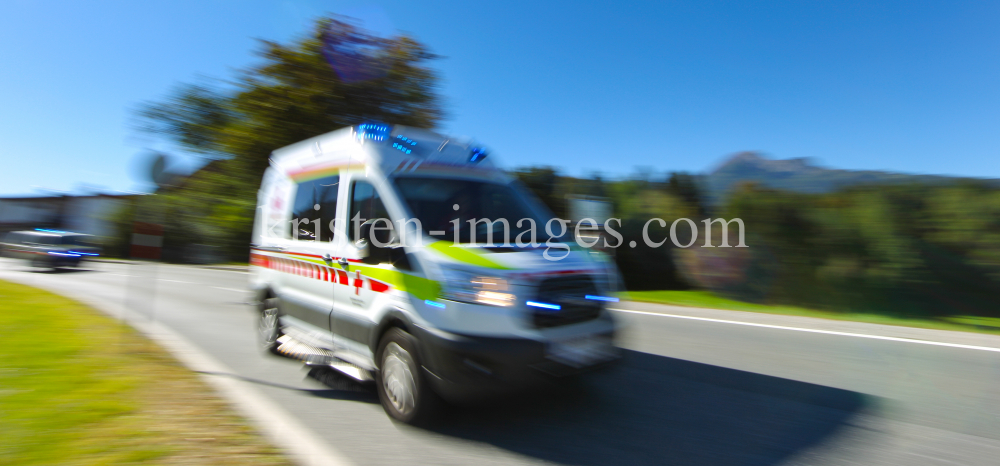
<point>400,256</point>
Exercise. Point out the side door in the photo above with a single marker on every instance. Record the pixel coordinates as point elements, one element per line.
<point>356,291</point>
<point>308,278</point>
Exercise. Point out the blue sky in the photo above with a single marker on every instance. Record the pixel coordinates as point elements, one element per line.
<point>671,86</point>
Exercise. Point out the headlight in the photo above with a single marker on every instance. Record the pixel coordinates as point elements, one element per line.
<point>472,288</point>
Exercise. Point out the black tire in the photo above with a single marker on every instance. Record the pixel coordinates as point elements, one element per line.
<point>269,326</point>
<point>402,385</point>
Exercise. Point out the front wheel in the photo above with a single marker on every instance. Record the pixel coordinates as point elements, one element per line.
<point>268,325</point>
<point>402,386</point>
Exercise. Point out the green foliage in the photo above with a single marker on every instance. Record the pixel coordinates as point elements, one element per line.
<point>910,250</point>
<point>635,201</point>
<point>292,95</point>
<point>897,249</point>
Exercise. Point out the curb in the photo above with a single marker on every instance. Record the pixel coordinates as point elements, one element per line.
<point>299,443</point>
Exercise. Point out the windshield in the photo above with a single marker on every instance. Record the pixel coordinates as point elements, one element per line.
<point>438,202</point>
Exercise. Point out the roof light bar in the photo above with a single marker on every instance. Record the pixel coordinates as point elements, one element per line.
<point>373,131</point>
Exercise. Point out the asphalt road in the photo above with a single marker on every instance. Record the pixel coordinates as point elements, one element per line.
<point>689,392</point>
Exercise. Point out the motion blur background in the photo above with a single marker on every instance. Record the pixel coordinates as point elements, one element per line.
<point>664,109</point>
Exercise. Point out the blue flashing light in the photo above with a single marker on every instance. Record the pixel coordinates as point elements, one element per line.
<point>403,143</point>
<point>46,230</point>
<point>373,131</point>
<point>554,307</point>
<point>434,303</point>
<point>602,298</point>
<point>63,254</point>
<point>478,154</point>
<point>84,253</point>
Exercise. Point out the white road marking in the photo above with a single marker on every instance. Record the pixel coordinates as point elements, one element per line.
<point>229,289</point>
<point>811,330</point>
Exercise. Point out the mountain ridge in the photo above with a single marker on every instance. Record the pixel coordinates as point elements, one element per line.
<point>805,176</point>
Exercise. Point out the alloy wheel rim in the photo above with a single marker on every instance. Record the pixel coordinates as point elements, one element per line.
<point>397,378</point>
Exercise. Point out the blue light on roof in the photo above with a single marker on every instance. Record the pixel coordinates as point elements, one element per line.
<point>404,144</point>
<point>84,253</point>
<point>554,307</point>
<point>434,303</point>
<point>373,131</point>
<point>478,154</point>
<point>602,298</point>
<point>63,254</point>
<point>46,230</point>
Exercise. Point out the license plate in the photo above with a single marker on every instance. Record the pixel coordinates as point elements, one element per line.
<point>582,351</point>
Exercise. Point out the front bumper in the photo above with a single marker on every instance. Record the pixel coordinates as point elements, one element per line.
<point>464,367</point>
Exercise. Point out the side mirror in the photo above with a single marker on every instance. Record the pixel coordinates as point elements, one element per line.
<point>369,239</point>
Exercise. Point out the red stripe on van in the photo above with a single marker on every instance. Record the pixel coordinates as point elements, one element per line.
<point>377,286</point>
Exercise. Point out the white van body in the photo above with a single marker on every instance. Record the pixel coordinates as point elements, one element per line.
<point>471,317</point>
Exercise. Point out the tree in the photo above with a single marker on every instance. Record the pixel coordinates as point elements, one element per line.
<point>336,76</point>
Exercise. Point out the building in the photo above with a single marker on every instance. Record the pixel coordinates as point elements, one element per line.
<point>80,214</point>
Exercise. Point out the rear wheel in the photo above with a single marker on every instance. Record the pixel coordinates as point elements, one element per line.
<point>268,325</point>
<point>402,386</point>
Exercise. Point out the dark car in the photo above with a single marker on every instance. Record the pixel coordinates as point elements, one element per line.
<point>49,248</point>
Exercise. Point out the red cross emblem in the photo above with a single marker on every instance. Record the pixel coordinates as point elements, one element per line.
<point>358,282</point>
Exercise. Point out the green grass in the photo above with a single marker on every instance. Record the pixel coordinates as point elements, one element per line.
<point>79,388</point>
<point>706,299</point>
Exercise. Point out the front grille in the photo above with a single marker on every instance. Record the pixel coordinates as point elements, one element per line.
<point>569,293</point>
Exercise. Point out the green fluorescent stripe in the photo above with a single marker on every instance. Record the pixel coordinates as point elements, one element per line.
<point>465,255</point>
<point>420,287</point>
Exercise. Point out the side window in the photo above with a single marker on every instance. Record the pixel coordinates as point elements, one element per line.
<point>314,208</point>
<point>365,205</point>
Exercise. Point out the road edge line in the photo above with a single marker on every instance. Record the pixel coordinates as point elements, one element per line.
<point>811,330</point>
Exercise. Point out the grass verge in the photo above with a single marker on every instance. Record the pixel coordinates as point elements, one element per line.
<point>706,299</point>
<point>79,388</point>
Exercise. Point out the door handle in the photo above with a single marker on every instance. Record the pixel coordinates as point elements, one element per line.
<point>327,259</point>
<point>343,263</point>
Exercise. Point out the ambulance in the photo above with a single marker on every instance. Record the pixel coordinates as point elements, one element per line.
<point>407,259</point>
